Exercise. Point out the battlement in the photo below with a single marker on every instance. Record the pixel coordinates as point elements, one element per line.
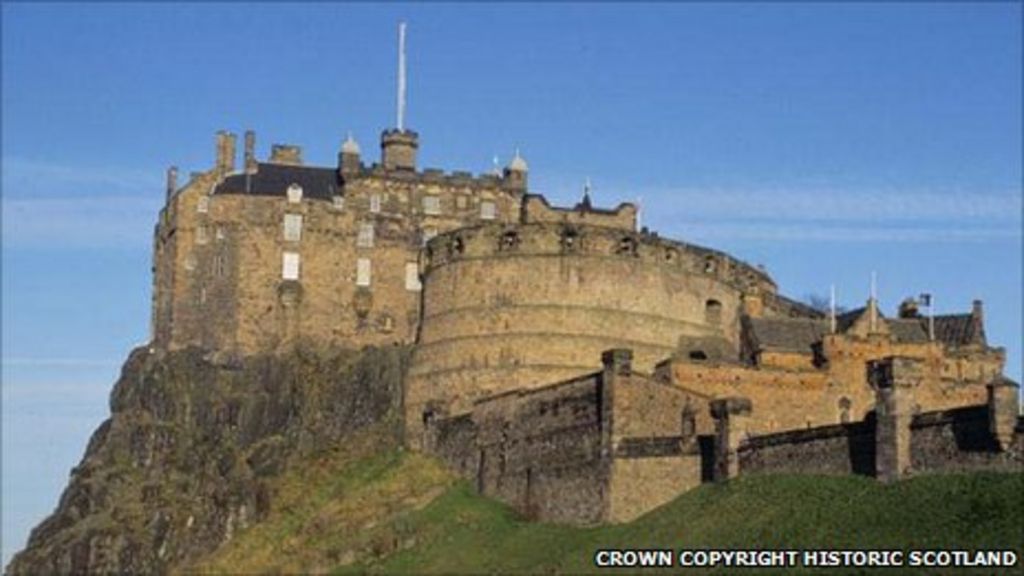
<point>536,209</point>
<point>567,239</point>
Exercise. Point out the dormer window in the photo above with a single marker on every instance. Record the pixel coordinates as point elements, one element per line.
<point>431,205</point>
<point>338,202</point>
<point>294,194</point>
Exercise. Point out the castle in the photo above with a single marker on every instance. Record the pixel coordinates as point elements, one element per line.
<point>567,362</point>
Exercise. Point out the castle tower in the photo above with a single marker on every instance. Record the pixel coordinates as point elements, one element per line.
<point>398,149</point>
<point>348,159</point>
<point>515,173</point>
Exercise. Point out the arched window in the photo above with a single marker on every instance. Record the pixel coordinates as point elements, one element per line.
<point>844,409</point>
<point>713,312</point>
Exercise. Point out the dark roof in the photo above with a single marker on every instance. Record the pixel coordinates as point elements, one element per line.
<point>792,334</point>
<point>274,180</point>
<point>846,319</point>
<point>908,330</point>
<point>958,329</point>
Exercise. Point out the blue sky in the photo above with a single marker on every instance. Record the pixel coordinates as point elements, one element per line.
<point>823,140</point>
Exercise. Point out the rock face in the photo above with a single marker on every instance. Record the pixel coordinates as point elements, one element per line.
<point>184,460</point>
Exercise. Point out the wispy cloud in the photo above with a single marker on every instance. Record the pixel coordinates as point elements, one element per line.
<point>776,213</point>
<point>24,177</point>
<point>60,362</point>
<point>51,205</point>
<point>97,222</point>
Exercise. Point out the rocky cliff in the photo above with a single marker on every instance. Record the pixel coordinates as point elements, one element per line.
<point>186,458</point>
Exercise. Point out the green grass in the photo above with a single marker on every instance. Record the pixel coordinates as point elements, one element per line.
<point>397,512</point>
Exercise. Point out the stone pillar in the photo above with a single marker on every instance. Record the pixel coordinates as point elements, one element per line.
<point>172,181</point>
<point>618,365</point>
<point>398,149</point>
<point>732,417</point>
<point>225,153</point>
<point>1003,407</point>
<point>894,379</point>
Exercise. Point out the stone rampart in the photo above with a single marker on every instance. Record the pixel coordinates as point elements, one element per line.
<point>486,330</point>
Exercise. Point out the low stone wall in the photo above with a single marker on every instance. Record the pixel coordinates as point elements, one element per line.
<point>957,440</point>
<point>960,441</point>
<point>838,449</point>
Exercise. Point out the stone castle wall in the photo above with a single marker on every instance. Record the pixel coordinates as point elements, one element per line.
<point>486,330</point>
<point>607,446</point>
<point>894,441</point>
<point>790,391</point>
<point>218,258</point>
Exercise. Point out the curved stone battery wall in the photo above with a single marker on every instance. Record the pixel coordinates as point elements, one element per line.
<point>523,306</point>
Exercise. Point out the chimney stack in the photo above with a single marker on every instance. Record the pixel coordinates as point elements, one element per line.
<point>250,152</point>
<point>225,153</point>
<point>288,154</point>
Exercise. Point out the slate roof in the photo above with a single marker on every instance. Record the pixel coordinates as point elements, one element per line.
<point>846,319</point>
<point>951,329</point>
<point>958,329</point>
<point>909,330</point>
<point>274,180</point>
<point>791,334</point>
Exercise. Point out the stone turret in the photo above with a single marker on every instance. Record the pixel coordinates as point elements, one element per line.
<point>515,173</point>
<point>349,158</point>
<point>1003,407</point>
<point>398,149</point>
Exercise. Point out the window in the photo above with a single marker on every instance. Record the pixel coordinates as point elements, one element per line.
<point>290,266</point>
<point>295,194</point>
<point>219,265</point>
<point>365,238</point>
<point>488,210</point>
<point>338,202</point>
<point>713,312</point>
<point>363,272</point>
<point>201,234</point>
<point>292,227</point>
<point>412,277</point>
<point>427,234</point>
<point>431,205</point>
<point>220,233</point>
<point>203,205</point>
<point>375,203</point>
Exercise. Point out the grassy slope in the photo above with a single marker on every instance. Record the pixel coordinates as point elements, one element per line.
<point>353,512</point>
